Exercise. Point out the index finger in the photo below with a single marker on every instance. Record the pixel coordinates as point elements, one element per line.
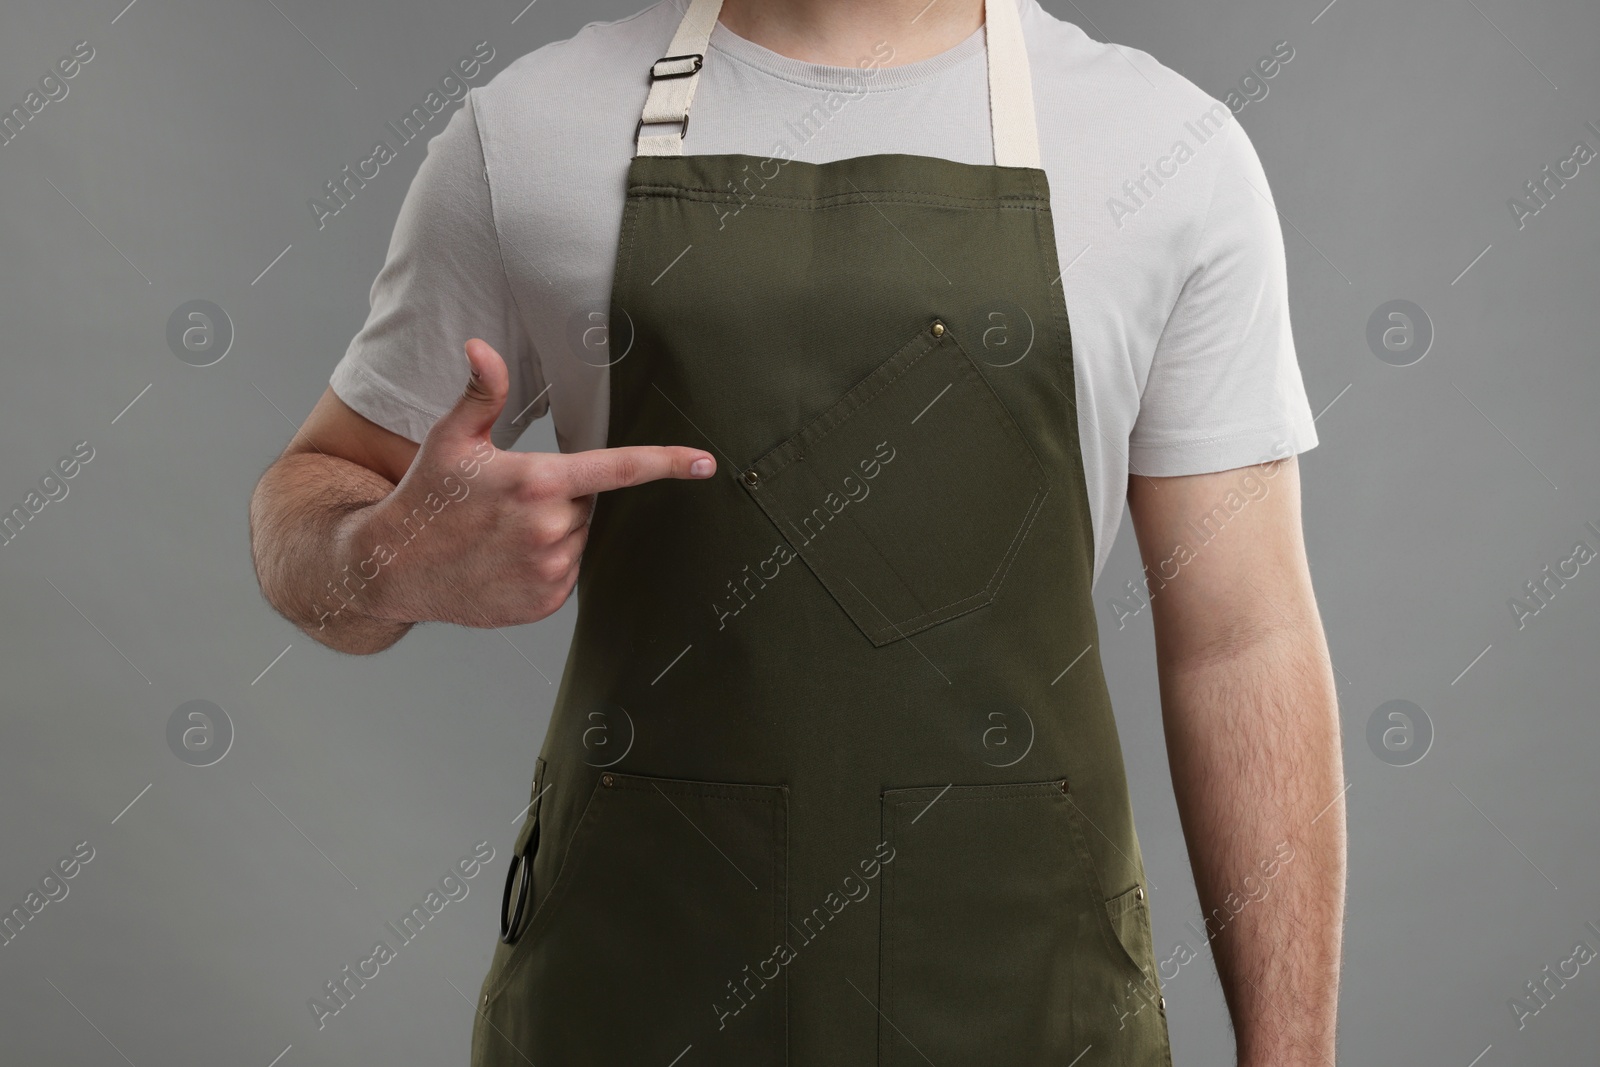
<point>601,470</point>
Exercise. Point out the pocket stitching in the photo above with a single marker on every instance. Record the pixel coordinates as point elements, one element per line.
<point>782,456</point>
<point>1107,931</point>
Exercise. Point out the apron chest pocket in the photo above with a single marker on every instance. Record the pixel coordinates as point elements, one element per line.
<point>910,496</point>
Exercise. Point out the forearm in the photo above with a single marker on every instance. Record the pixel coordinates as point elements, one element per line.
<point>1256,765</point>
<point>307,516</point>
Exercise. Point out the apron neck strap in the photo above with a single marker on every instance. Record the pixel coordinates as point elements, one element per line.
<point>674,76</point>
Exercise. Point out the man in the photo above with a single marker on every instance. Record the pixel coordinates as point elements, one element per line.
<point>836,559</point>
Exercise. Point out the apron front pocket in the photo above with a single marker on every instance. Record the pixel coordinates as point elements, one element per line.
<point>669,895</point>
<point>911,495</point>
<point>997,947</point>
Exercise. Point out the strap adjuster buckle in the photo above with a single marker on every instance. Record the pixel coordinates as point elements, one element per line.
<point>697,59</point>
<point>683,130</point>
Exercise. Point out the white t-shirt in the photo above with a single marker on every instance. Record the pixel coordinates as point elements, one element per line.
<point>1174,265</point>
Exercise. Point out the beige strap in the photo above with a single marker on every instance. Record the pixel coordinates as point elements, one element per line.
<point>675,76</point>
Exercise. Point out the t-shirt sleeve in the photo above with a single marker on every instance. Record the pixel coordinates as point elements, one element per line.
<point>442,283</point>
<point>1224,388</point>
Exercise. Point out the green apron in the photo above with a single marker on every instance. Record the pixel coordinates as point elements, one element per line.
<point>832,778</point>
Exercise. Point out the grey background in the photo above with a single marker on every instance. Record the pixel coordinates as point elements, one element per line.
<point>225,896</point>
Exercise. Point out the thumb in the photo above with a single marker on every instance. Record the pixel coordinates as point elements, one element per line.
<point>484,398</point>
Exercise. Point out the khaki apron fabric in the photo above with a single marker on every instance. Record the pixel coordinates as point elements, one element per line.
<point>832,778</point>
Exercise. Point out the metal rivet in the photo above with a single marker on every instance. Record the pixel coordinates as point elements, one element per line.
<point>607,780</point>
<point>938,328</point>
<point>751,477</point>
<point>1139,893</point>
<point>1163,1003</point>
<point>1064,785</point>
<point>486,998</point>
